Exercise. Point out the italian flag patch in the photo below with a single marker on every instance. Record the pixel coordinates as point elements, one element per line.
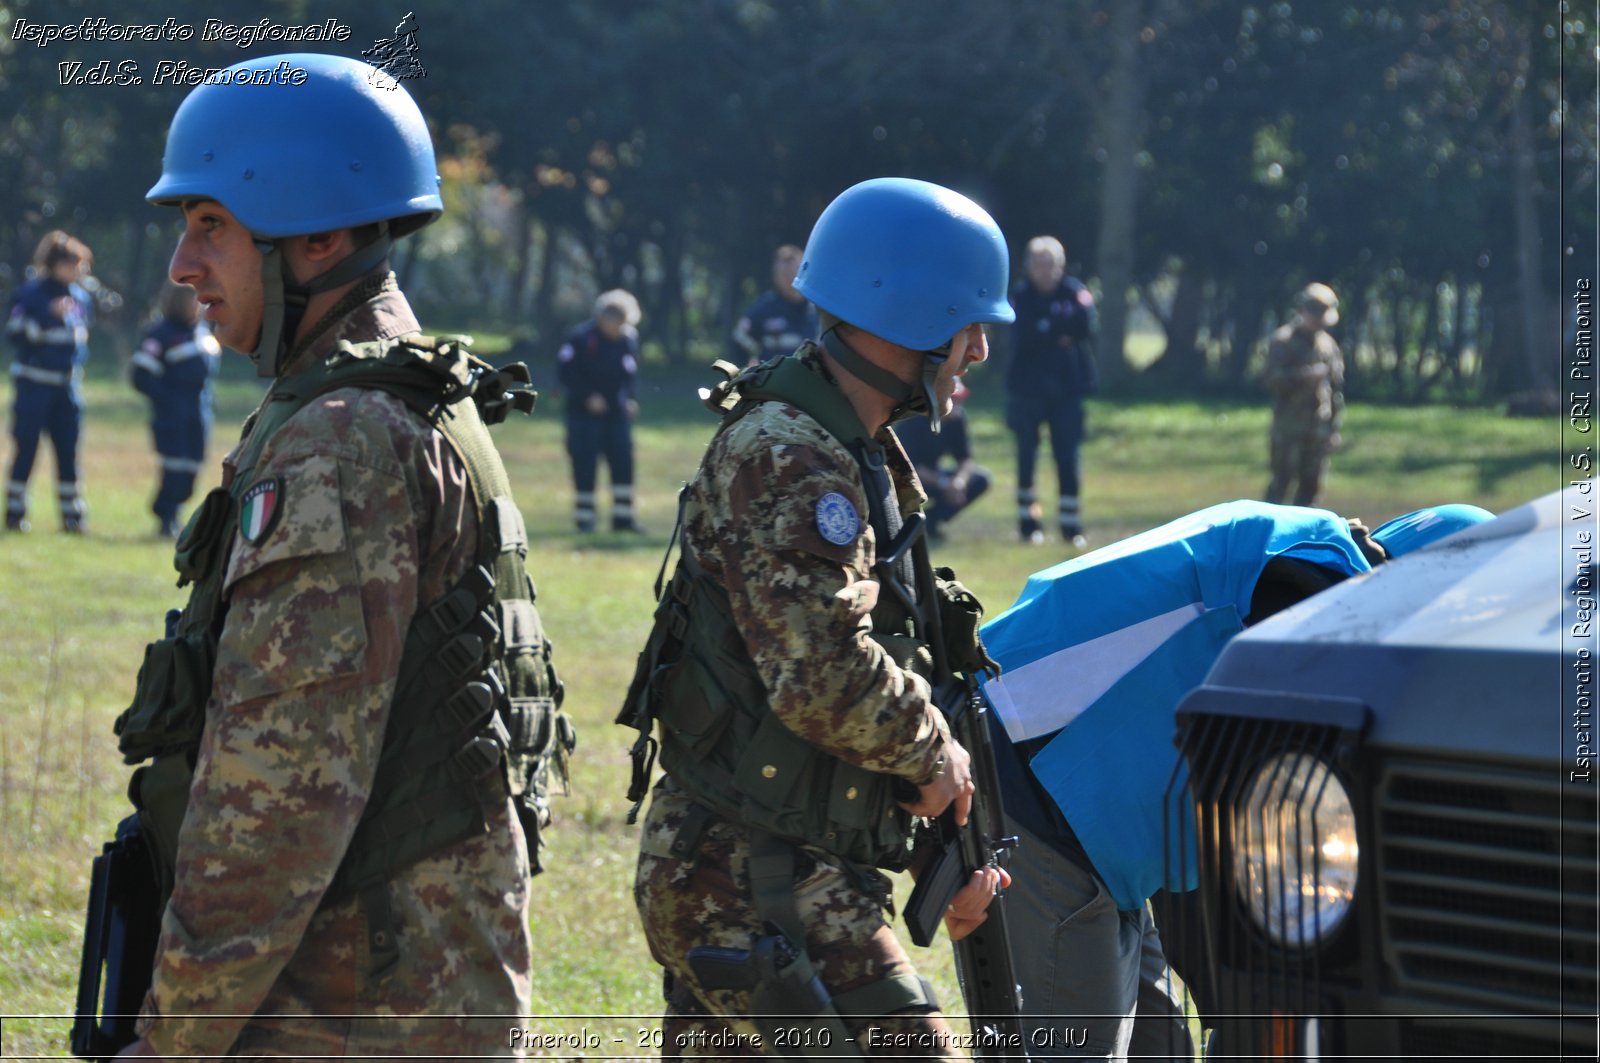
<point>258,509</point>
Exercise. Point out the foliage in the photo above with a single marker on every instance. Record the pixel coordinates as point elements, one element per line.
<point>1430,160</point>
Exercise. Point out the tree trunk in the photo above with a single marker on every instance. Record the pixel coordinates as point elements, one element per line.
<point>1182,362</point>
<point>522,241</point>
<point>1538,350</point>
<point>1121,123</point>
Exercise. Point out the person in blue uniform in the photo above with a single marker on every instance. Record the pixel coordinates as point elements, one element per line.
<point>1050,372</point>
<point>782,319</point>
<point>598,367</point>
<point>173,367</point>
<point>950,475</point>
<point>48,325</point>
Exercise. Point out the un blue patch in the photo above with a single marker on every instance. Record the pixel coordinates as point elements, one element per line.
<point>837,519</point>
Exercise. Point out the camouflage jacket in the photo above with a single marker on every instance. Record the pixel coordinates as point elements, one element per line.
<point>374,516</point>
<point>1305,374</point>
<point>763,518</point>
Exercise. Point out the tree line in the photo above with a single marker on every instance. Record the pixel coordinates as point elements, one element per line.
<point>1434,161</point>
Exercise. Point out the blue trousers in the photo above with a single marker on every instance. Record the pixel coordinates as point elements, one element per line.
<point>589,438</point>
<point>46,409</point>
<point>180,437</point>
<point>1025,415</point>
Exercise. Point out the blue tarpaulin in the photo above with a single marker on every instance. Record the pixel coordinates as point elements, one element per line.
<point>1098,651</point>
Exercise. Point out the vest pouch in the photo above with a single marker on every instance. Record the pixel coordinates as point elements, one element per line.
<point>907,651</point>
<point>541,738</point>
<point>169,701</point>
<point>857,798</point>
<point>203,536</point>
<point>777,773</point>
<point>694,705</point>
<point>160,791</point>
<point>960,615</point>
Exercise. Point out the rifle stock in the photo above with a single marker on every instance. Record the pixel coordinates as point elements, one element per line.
<point>119,945</point>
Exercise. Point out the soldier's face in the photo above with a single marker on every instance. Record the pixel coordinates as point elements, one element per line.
<point>969,347</point>
<point>218,259</point>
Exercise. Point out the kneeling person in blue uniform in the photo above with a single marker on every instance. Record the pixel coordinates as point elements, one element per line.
<point>173,367</point>
<point>954,484</point>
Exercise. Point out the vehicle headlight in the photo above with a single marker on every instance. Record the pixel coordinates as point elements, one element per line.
<point>1295,854</point>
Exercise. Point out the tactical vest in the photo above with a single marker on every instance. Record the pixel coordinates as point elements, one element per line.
<point>720,739</point>
<point>476,710</point>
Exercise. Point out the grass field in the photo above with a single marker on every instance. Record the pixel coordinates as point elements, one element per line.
<point>75,614</point>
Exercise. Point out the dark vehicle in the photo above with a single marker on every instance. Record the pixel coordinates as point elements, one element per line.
<point>1395,801</point>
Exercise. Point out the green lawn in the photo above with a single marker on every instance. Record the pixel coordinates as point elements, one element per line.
<point>76,614</point>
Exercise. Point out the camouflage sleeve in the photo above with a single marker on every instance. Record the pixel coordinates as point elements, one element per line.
<point>318,609</point>
<point>1278,376</point>
<point>803,603</point>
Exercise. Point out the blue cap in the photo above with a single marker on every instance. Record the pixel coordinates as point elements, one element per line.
<point>1416,530</point>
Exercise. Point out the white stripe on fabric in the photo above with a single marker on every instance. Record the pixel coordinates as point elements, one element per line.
<point>185,351</point>
<point>41,376</point>
<point>180,465</point>
<point>1047,694</point>
<point>148,364</point>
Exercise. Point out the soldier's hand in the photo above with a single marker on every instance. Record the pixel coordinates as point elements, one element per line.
<point>952,784</point>
<point>970,906</point>
<point>141,1050</point>
<point>595,404</point>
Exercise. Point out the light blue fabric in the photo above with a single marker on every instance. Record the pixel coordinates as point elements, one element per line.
<point>1108,769</point>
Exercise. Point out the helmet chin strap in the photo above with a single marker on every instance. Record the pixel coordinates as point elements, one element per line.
<point>283,305</point>
<point>909,398</point>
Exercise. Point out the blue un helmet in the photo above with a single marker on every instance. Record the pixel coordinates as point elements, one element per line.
<point>298,144</point>
<point>911,262</point>
<point>1402,535</point>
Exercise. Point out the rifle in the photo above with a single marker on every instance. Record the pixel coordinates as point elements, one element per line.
<point>984,963</point>
<point>119,944</point>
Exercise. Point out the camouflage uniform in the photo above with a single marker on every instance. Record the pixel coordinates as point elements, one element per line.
<point>375,516</point>
<point>802,602</point>
<point>1305,373</point>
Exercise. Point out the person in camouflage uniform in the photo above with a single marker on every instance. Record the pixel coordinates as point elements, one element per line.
<point>1305,374</point>
<point>774,519</point>
<point>370,515</point>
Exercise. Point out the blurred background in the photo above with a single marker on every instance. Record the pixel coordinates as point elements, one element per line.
<point>1432,160</point>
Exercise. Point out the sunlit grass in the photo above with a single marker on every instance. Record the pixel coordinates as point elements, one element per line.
<point>75,614</point>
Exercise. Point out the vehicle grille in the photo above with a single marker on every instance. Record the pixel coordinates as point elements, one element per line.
<point>1488,885</point>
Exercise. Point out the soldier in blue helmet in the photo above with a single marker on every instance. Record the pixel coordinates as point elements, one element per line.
<point>341,794</point>
<point>791,687</point>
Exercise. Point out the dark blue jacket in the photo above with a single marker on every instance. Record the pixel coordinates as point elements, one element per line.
<point>589,364</point>
<point>45,339</point>
<point>174,364</point>
<point>774,327</point>
<point>1040,366</point>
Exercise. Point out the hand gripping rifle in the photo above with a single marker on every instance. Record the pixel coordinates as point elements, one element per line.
<point>984,962</point>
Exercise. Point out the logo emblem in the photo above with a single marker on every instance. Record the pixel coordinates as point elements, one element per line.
<point>837,519</point>
<point>258,509</point>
